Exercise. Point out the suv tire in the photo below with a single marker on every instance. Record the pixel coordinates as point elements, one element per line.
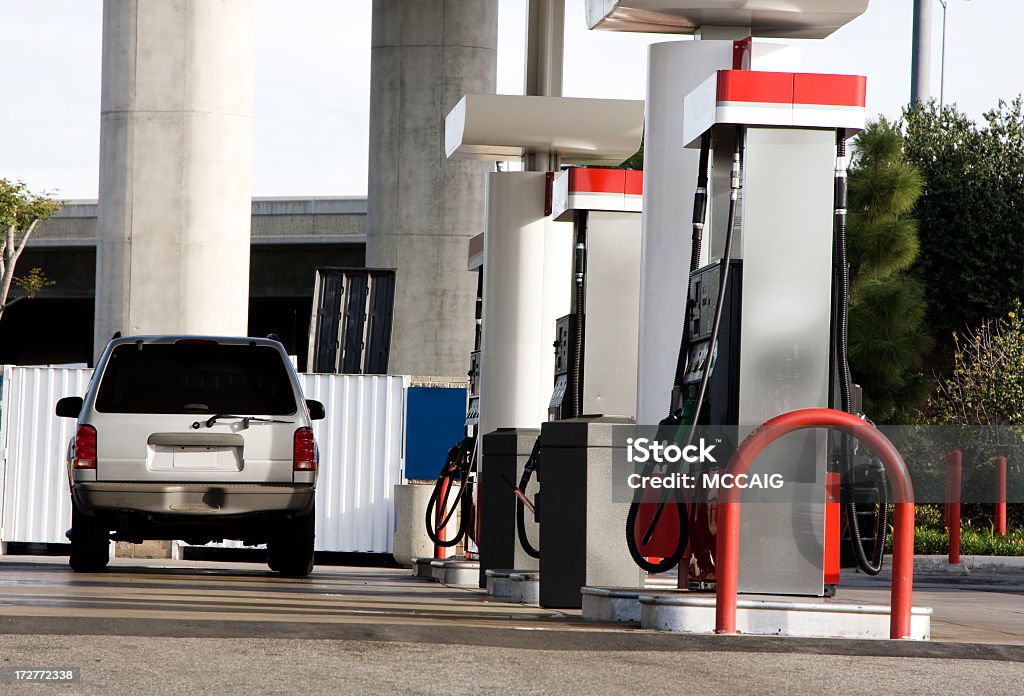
<point>90,543</point>
<point>290,549</point>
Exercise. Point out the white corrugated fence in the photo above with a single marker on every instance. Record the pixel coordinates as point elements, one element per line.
<point>360,459</point>
<point>361,450</point>
<point>33,443</point>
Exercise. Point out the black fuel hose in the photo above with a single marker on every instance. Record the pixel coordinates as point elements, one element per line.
<point>668,562</point>
<point>735,184</point>
<point>872,566</point>
<point>528,469</point>
<point>458,466</point>
<point>580,272</point>
<point>700,211</point>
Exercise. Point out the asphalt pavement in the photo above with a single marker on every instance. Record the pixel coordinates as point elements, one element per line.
<point>167,627</point>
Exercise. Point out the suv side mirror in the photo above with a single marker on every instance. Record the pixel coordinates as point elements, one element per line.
<point>316,410</point>
<point>70,406</point>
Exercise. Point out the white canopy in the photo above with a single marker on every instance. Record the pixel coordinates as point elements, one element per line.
<point>795,19</point>
<point>581,131</point>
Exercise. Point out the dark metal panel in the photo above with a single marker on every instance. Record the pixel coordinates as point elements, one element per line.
<point>351,327</point>
<point>354,323</point>
<point>378,333</point>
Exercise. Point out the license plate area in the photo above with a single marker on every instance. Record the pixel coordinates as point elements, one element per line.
<point>194,458</point>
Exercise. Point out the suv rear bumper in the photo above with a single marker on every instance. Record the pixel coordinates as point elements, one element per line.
<point>194,499</point>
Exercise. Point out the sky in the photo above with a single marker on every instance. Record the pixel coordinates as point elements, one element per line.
<point>313,78</point>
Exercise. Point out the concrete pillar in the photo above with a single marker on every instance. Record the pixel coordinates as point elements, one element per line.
<point>422,207</point>
<point>676,68</point>
<point>175,168</point>
<point>527,262</point>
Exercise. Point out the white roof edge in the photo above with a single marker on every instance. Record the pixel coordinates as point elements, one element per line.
<point>581,131</point>
<point>793,19</point>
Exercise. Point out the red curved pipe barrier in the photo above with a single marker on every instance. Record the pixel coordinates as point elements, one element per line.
<point>903,494</point>
<point>442,510</point>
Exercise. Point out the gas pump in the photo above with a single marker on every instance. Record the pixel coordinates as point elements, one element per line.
<point>595,344</point>
<point>460,464</point>
<point>765,320</point>
<point>593,362</point>
<point>594,387</point>
<point>526,265</point>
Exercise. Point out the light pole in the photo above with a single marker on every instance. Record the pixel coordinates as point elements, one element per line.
<point>942,68</point>
<point>920,55</point>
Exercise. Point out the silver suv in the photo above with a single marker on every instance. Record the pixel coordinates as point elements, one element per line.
<point>194,438</point>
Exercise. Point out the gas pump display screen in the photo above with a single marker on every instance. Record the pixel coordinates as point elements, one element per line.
<point>704,283</point>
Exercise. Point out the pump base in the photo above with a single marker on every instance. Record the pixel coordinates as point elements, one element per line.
<point>501,584</point>
<point>621,604</point>
<point>611,604</point>
<point>525,588</point>
<point>456,572</point>
<point>421,567</point>
<point>681,612</point>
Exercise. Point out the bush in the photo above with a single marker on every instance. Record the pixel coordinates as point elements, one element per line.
<point>986,385</point>
<point>929,517</point>
<point>972,542</point>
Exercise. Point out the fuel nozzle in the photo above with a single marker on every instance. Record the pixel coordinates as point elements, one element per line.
<point>734,173</point>
<point>581,251</point>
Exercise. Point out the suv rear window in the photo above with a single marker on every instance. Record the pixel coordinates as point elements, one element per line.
<point>195,378</point>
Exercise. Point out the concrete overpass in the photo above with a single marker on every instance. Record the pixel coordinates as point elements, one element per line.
<point>290,237</point>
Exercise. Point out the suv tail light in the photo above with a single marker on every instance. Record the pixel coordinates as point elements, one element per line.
<point>304,451</point>
<point>85,448</point>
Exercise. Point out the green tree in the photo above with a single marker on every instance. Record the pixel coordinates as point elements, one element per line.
<point>887,340</point>
<point>21,211</point>
<point>972,226</point>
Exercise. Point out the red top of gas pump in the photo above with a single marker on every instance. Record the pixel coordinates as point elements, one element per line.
<point>597,188</point>
<point>755,98</point>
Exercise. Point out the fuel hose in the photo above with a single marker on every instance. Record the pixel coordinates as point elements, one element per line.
<point>700,207</point>
<point>459,466</point>
<point>579,280</point>
<point>700,213</point>
<point>873,565</point>
<point>528,470</point>
<point>716,324</point>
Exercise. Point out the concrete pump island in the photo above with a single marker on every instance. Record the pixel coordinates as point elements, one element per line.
<point>763,147</point>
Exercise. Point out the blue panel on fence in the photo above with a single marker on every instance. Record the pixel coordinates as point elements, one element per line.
<point>434,422</point>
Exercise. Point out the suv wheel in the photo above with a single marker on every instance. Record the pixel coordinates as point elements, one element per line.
<point>90,543</point>
<point>290,549</point>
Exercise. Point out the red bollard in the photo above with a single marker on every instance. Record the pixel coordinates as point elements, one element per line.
<point>728,538</point>
<point>442,510</point>
<point>954,472</point>
<point>1001,496</point>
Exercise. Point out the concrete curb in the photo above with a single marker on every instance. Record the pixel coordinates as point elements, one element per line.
<point>939,565</point>
<point>682,613</point>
